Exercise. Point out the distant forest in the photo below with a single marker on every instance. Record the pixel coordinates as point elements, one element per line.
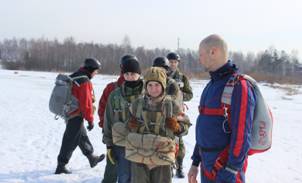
<point>270,65</point>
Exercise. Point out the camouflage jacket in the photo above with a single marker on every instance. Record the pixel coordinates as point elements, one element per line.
<point>151,116</point>
<point>117,108</point>
<point>183,84</point>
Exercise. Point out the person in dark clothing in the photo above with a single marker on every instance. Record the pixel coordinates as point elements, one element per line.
<point>187,94</point>
<point>75,133</point>
<point>116,117</point>
<point>110,174</point>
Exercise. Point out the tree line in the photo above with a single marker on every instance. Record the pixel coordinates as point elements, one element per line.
<point>53,55</point>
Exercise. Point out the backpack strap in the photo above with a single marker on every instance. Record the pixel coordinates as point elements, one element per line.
<point>226,100</point>
<point>69,95</point>
<point>73,79</point>
<point>226,97</point>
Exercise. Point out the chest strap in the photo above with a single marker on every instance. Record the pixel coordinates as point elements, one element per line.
<point>222,111</point>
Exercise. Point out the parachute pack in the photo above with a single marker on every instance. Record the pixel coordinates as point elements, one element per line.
<point>61,101</point>
<point>262,125</point>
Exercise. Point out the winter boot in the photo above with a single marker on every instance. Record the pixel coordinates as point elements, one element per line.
<point>62,169</point>
<point>94,160</point>
<point>179,170</point>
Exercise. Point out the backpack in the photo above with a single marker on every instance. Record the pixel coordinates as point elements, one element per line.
<point>262,125</point>
<point>61,101</point>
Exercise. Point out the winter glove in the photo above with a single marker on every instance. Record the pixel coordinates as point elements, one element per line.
<point>173,124</point>
<point>132,123</point>
<point>225,175</point>
<point>90,126</point>
<point>110,155</point>
<point>101,124</point>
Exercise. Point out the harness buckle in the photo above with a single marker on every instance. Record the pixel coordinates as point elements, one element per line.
<point>225,111</point>
<point>225,126</point>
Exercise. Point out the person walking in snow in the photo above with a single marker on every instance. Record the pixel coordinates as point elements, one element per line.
<point>110,174</point>
<point>223,135</point>
<point>75,133</point>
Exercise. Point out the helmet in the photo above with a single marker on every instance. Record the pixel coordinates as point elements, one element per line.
<point>156,74</point>
<point>173,56</point>
<point>92,64</point>
<point>128,57</point>
<point>161,62</point>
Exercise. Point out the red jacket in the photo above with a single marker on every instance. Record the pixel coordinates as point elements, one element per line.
<point>84,94</point>
<point>106,92</point>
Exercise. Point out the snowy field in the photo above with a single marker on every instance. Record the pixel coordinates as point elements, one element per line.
<point>30,138</point>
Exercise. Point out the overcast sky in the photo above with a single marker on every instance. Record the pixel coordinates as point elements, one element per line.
<point>246,25</point>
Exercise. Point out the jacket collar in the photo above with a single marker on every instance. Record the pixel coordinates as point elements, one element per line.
<point>82,70</point>
<point>226,70</point>
<point>120,80</point>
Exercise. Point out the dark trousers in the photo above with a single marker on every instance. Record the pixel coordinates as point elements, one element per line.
<point>75,135</point>
<point>123,165</point>
<point>110,175</point>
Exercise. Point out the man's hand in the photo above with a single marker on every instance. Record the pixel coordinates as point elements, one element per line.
<point>192,175</point>
<point>101,124</point>
<point>90,126</point>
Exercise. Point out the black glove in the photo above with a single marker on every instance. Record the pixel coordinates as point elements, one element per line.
<point>90,126</point>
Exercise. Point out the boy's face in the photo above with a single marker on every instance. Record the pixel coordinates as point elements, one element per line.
<point>94,73</point>
<point>131,76</point>
<point>173,64</point>
<point>154,88</point>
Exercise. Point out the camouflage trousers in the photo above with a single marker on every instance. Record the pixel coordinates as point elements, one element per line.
<point>140,173</point>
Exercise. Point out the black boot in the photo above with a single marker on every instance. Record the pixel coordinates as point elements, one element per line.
<point>62,169</point>
<point>94,160</point>
<point>179,171</point>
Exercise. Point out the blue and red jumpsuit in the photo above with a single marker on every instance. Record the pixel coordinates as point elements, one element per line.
<point>222,142</point>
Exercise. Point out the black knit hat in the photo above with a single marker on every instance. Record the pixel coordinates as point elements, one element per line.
<point>132,65</point>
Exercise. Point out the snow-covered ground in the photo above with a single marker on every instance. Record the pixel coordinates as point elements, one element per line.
<point>30,138</point>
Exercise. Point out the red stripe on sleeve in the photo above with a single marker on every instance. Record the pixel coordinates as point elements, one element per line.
<point>242,119</point>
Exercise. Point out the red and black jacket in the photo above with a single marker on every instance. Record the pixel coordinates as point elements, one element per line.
<point>85,95</point>
<point>106,92</point>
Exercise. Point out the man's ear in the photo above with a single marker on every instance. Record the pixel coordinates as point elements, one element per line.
<point>213,51</point>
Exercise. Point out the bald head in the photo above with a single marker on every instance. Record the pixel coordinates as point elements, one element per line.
<point>214,40</point>
<point>213,52</point>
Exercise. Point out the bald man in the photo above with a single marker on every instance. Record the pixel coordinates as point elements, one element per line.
<point>222,132</point>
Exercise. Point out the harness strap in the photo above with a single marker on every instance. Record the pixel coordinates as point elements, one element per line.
<point>159,119</point>
<point>117,110</point>
<point>145,119</point>
<point>220,163</point>
<point>211,111</point>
